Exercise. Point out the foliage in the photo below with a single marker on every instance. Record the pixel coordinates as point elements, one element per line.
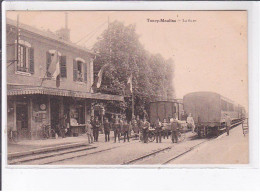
<point>119,46</point>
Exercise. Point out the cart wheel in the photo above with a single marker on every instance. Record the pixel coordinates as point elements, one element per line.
<point>151,136</point>
<point>181,136</point>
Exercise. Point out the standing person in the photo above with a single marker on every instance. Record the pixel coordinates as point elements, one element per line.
<point>145,127</point>
<point>174,130</point>
<point>158,131</point>
<point>92,125</point>
<point>121,128</point>
<point>126,130</point>
<point>165,128</point>
<point>116,129</point>
<point>96,126</point>
<point>190,122</point>
<point>228,123</point>
<point>89,132</point>
<point>130,129</point>
<point>107,128</point>
<point>135,127</point>
<point>139,127</point>
<point>63,125</point>
<point>113,119</point>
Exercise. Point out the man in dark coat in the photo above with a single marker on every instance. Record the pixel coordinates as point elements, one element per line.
<point>174,129</point>
<point>63,125</point>
<point>145,128</point>
<point>107,128</point>
<point>92,124</point>
<point>158,130</point>
<point>135,127</point>
<point>96,125</point>
<point>126,128</point>
<point>116,129</point>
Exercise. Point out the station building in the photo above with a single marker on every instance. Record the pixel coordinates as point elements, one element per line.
<point>33,99</point>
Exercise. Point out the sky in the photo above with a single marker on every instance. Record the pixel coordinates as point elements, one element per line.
<point>209,48</point>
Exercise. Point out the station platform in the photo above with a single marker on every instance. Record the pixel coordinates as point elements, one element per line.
<point>31,145</point>
<point>232,149</point>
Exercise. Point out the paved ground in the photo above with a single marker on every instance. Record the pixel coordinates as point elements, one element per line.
<point>26,145</point>
<point>124,152</point>
<point>232,149</point>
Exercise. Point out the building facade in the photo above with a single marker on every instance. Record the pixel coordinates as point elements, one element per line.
<point>33,97</point>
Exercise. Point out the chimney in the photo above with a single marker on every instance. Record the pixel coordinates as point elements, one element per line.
<point>64,33</point>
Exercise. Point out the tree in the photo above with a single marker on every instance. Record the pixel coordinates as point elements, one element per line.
<point>119,46</point>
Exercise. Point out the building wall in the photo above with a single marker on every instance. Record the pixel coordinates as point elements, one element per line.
<point>35,120</point>
<point>41,45</point>
<point>10,113</point>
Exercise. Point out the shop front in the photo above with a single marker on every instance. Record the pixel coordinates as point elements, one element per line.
<point>31,111</point>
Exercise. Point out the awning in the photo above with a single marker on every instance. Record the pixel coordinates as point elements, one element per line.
<point>12,91</point>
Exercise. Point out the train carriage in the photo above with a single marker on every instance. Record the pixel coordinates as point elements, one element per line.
<point>165,110</point>
<point>208,110</point>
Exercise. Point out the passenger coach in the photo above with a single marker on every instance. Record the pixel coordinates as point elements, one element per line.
<point>208,110</point>
<point>165,110</point>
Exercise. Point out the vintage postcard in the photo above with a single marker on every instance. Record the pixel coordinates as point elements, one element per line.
<point>133,88</point>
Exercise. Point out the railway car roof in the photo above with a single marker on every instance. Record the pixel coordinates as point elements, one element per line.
<point>213,93</point>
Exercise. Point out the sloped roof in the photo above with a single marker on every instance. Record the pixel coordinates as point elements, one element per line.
<point>47,35</point>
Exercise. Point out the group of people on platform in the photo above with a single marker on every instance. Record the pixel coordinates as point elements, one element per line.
<point>119,126</point>
<point>140,128</point>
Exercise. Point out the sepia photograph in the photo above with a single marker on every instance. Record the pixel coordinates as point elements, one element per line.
<point>131,88</point>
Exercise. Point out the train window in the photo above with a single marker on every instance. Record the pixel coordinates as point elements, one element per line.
<point>231,107</point>
<point>224,105</point>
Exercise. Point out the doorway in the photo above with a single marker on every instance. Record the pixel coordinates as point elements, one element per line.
<point>22,120</point>
<point>55,113</point>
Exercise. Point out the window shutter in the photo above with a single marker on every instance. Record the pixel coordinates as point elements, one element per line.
<point>85,72</point>
<point>48,62</point>
<point>31,60</point>
<point>75,70</point>
<point>63,68</point>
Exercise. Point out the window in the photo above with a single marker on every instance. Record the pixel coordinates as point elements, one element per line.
<point>79,73</point>
<point>50,56</point>
<point>79,70</point>
<point>224,105</point>
<point>25,61</point>
<point>231,107</point>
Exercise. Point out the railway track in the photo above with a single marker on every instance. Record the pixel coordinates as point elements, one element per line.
<point>57,156</point>
<point>147,155</point>
<point>193,147</point>
<point>168,160</point>
<point>183,153</point>
<point>160,152</point>
<point>53,157</point>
